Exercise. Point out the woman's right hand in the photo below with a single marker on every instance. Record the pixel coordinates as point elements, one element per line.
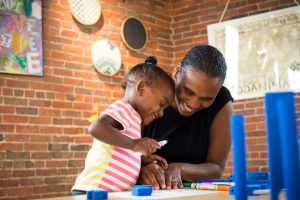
<point>146,145</point>
<point>152,174</point>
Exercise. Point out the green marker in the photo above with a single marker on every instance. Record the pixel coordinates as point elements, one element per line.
<point>186,184</point>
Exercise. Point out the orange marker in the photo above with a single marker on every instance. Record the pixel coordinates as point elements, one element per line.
<point>207,186</point>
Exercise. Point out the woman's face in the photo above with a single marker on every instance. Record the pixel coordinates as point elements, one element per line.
<point>194,91</point>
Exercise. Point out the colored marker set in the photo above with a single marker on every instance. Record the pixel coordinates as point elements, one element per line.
<point>282,143</point>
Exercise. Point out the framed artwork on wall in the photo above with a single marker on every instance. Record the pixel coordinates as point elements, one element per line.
<point>262,52</point>
<point>21,50</point>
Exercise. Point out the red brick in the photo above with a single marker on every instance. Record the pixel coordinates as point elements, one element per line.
<point>49,112</point>
<point>61,55</point>
<point>40,138</point>
<point>76,163</point>
<point>11,147</point>
<point>35,147</point>
<point>63,88</point>
<point>73,50</point>
<point>41,86</point>
<point>247,9</point>
<point>56,163</point>
<point>40,103</point>
<point>69,139</point>
<point>15,119</point>
<point>57,104</point>
<point>17,138</point>
<point>50,130</point>
<point>17,84</point>
<point>256,147</point>
<point>93,84</point>
<point>84,139</point>
<point>265,5</point>
<point>29,93</point>
<point>9,183</point>
<point>84,75</point>
<point>70,34</point>
<point>62,121</point>
<point>7,109</point>
<point>63,72</point>
<point>7,128</point>
<point>31,181</point>
<point>81,122</point>
<point>105,93</point>
<point>88,99</point>
<point>254,104</point>
<point>60,96</point>
<point>73,130</point>
<point>71,81</point>
<point>4,174</point>
<point>15,101</point>
<point>83,106</point>
<point>27,129</point>
<point>40,120</point>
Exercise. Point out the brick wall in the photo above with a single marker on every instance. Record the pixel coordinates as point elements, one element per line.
<point>43,127</point>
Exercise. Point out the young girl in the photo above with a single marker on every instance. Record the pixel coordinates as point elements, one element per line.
<point>112,163</point>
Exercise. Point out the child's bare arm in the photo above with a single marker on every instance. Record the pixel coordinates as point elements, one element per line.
<point>105,129</point>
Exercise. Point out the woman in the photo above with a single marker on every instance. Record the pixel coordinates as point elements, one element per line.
<point>196,124</point>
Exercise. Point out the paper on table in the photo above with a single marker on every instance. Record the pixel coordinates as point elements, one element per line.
<point>162,194</point>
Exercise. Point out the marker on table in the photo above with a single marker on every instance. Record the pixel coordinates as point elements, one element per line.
<point>206,186</point>
<point>220,183</point>
<point>161,144</point>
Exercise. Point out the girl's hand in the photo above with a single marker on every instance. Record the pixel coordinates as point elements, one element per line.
<point>147,159</point>
<point>146,145</point>
<point>173,176</point>
<point>152,174</point>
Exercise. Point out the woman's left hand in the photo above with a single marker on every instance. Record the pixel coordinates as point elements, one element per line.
<point>173,176</point>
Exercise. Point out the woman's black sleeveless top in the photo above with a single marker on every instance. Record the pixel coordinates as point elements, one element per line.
<point>188,137</point>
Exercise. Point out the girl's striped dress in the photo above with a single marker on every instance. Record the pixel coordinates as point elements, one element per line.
<point>110,167</point>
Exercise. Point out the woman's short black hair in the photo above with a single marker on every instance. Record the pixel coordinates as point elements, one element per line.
<point>207,59</point>
<point>148,71</point>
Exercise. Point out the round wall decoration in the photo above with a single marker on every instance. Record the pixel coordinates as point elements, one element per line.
<point>134,33</point>
<point>86,12</point>
<point>106,57</point>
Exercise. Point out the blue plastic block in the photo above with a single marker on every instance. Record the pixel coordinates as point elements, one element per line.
<point>239,156</point>
<point>89,195</point>
<point>252,176</point>
<point>98,195</point>
<point>265,184</point>
<point>105,194</point>
<point>231,177</point>
<point>258,176</point>
<point>249,190</point>
<point>142,190</point>
<point>281,128</point>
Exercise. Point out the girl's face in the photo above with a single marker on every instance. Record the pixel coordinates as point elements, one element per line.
<point>194,91</point>
<point>152,101</point>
